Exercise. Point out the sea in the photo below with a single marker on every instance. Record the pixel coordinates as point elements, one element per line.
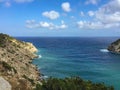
<point>86,57</point>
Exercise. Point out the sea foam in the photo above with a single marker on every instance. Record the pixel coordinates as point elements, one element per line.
<point>104,50</point>
<point>39,56</point>
<point>44,77</point>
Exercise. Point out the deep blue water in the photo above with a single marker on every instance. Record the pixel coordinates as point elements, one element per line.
<point>84,57</point>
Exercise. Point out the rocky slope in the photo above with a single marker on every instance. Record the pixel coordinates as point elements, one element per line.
<point>115,47</point>
<point>4,85</point>
<point>16,63</point>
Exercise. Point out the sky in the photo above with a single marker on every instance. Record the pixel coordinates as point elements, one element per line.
<point>60,18</point>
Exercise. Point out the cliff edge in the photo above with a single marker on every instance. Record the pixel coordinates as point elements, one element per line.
<point>115,47</point>
<point>16,63</point>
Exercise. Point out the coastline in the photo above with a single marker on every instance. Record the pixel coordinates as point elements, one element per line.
<point>60,61</point>
<point>41,76</point>
<point>28,73</point>
<point>16,63</point>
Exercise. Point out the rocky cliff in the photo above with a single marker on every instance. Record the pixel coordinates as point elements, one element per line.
<point>16,63</point>
<point>115,47</point>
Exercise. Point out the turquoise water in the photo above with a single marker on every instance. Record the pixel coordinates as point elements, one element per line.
<point>84,57</point>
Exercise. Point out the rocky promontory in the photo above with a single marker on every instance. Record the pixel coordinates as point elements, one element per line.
<point>115,47</point>
<point>16,68</point>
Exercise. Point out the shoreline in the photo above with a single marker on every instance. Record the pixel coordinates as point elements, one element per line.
<point>41,76</point>
<point>16,63</point>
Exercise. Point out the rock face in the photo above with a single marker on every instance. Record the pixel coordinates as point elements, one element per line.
<point>4,85</point>
<point>115,47</point>
<point>16,63</point>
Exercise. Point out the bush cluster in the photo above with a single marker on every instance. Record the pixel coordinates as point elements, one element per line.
<point>73,83</point>
<point>8,67</point>
<point>29,79</point>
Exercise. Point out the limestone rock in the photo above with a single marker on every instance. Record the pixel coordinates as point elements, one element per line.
<point>4,85</point>
<point>15,63</point>
<point>115,47</point>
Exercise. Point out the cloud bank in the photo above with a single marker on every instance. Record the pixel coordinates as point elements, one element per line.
<point>47,25</point>
<point>106,17</point>
<point>51,14</point>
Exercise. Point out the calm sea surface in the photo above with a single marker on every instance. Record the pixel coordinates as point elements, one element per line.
<point>84,57</point>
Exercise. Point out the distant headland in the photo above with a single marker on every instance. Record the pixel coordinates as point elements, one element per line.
<point>115,47</point>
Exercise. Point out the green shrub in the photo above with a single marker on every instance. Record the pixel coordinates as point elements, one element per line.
<point>8,67</point>
<point>73,83</point>
<point>29,79</point>
<point>14,70</point>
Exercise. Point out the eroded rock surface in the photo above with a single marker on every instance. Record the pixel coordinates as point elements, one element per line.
<point>16,63</point>
<point>4,85</point>
<point>115,47</point>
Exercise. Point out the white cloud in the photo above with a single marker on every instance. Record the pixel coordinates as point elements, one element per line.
<point>94,2</point>
<point>96,25</point>
<point>30,21</point>
<point>91,13</point>
<point>89,25</point>
<point>31,24</point>
<point>63,25</point>
<point>109,13</point>
<point>106,17</point>
<point>47,25</point>
<point>51,14</point>
<point>66,6</point>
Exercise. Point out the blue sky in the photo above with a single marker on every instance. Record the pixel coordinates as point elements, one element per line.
<point>77,18</point>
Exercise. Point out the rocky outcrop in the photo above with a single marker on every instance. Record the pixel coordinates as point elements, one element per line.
<point>16,63</point>
<point>4,85</point>
<point>115,47</point>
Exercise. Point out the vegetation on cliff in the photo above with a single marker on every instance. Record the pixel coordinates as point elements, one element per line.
<point>15,63</point>
<point>115,47</point>
<point>74,83</point>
